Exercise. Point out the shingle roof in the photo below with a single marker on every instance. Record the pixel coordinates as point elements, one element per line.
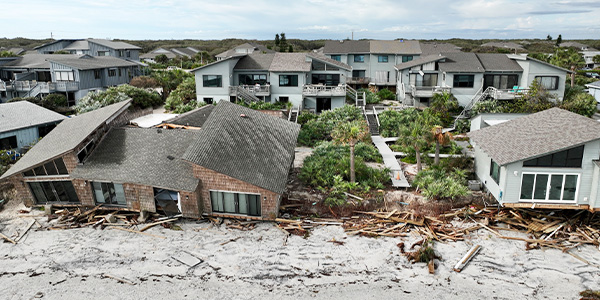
<point>78,45</point>
<point>255,61</point>
<point>86,62</point>
<point>22,114</point>
<point>419,61</point>
<point>65,137</point>
<point>143,156</point>
<point>216,62</point>
<point>114,44</point>
<point>289,62</point>
<point>35,61</point>
<point>534,135</point>
<point>157,52</point>
<point>395,47</point>
<point>250,46</point>
<point>437,48</point>
<point>498,62</point>
<point>195,118</point>
<point>320,57</point>
<point>257,148</point>
<point>595,84</point>
<point>346,46</point>
<point>577,45</point>
<point>461,62</point>
<point>189,51</point>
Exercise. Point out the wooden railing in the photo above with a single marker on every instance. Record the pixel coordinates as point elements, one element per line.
<point>252,89</point>
<point>324,90</point>
<point>359,80</point>
<point>427,91</point>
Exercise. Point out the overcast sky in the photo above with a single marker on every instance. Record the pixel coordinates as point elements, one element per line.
<point>304,19</point>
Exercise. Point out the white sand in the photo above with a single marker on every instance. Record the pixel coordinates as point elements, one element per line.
<point>68,264</point>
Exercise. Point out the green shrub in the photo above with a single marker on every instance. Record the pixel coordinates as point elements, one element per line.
<point>140,98</point>
<point>184,94</point>
<point>582,103</point>
<point>267,105</point>
<point>391,120</point>
<point>370,97</point>
<point>386,94</point>
<point>316,130</point>
<point>56,100</point>
<point>304,117</point>
<point>436,183</point>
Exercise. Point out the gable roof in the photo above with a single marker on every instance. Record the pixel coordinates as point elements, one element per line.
<point>189,51</point>
<point>346,46</point>
<point>143,156</point>
<point>78,45</point>
<point>257,148</point>
<point>35,61</point>
<point>195,118</point>
<point>87,62</point>
<point>114,44</point>
<point>216,62</point>
<point>247,46</point>
<point>324,59</point>
<point>158,51</point>
<point>461,62</point>
<point>23,114</point>
<point>255,61</point>
<point>419,61</point>
<point>65,137</point>
<point>498,62</point>
<point>394,47</point>
<point>56,41</point>
<point>437,48</point>
<point>289,62</point>
<point>535,135</point>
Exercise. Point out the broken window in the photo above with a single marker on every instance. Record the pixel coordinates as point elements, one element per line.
<point>167,201</point>
<point>51,168</point>
<point>235,203</point>
<point>85,151</point>
<point>109,193</point>
<point>53,191</point>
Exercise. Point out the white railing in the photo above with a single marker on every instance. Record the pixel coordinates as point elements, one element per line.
<point>376,116</point>
<point>427,91</point>
<point>324,90</point>
<point>507,94</point>
<point>2,86</point>
<point>45,87</point>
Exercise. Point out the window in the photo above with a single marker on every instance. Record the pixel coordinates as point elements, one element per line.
<point>382,58</point>
<point>549,187</point>
<point>235,203</point>
<point>336,57</point>
<point>503,82</point>
<point>112,72</point>
<point>548,82</point>
<point>44,130</point>
<point>288,80</point>
<point>119,72</point>
<point>326,79</point>
<point>358,73</point>
<point>64,76</point>
<point>51,168</point>
<point>252,79</point>
<point>428,80</point>
<point>109,193</point>
<point>97,74</point>
<point>103,53</point>
<point>495,171</point>
<point>570,158</point>
<point>464,81</point>
<point>8,143</point>
<point>359,58</point>
<point>85,151</point>
<point>128,53</point>
<point>212,81</point>
<point>406,58</point>
<point>284,99</point>
<point>208,100</point>
<point>53,191</point>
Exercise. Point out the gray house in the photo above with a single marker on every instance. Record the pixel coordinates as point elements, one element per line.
<point>471,77</point>
<point>23,123</point>
<point>546,160</point>
<point>188,52</point>
<point>307,80</point>
<point>93,47</point>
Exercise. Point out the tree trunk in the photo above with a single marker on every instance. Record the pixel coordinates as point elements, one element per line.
<point>437,152</point>
<point>572,76</point>
<point>418,154</point>
<point>352,175</point>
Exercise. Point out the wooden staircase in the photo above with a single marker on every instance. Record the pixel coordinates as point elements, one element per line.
<point>293,116</point>
<point>245,96</point>
<point>373,126</point>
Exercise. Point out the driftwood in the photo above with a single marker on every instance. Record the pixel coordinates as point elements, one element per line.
<point>467,258</point>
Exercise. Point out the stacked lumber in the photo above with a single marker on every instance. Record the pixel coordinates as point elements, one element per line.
<point>240,224</point>
<point>301,226</point>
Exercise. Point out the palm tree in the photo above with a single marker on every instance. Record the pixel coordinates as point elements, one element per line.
<point>568,58</point>
<point>416,134</point>
<point>441,139</point>
<point>350,133</point>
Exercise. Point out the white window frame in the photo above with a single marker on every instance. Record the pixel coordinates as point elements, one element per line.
<point>548,188</point>
<point>64,75</point>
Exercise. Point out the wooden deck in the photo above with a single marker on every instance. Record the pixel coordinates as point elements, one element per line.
<point>390,161</point>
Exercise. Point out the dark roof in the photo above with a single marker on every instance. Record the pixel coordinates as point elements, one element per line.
<point>394,47</point>
<point>87,62</point>
<point>195,118</point>
<point>255,61</point>
<point>535,135</point>
<point>461,62</point>
<point>66,136</point>
<point>257,148</point>
<point>114,44</point>
<point>346,46</point>
<point>142,156</point>
<point>595,84</point>
<point>498,62</point>
<point>419,61</point>
<point>289,62</point>
<point>22,114</point>
<point>35,61</point>
<point>158,51</point>
<point>322,58</point>
<point>437,48</point>
<point>216,62</point>
<point>189,51</point>
<point>54,42</point>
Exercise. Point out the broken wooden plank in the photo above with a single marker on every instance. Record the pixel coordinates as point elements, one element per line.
<point>467,258</point>
<point>26,230</point>
<point>157,223</point>
<point>121,280</point>
<point>135,231</point>
<point>7,238</point>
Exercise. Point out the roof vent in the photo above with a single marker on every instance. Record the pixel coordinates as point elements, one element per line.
<point>159,130</point>
<point>171,157</point>
<point>243,116</point>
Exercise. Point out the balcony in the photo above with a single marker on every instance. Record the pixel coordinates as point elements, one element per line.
<point>45,87</point>
<point>358,80</point>
<point>65,86</point>
<point>318,90</point>
<point>256,90</point>
<point>507,94</point>
<point>427,91</point>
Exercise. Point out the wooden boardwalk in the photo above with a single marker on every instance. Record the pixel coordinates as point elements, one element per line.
<point>390,161</point>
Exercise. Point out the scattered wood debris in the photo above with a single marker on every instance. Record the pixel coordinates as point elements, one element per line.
<point>467,258</point>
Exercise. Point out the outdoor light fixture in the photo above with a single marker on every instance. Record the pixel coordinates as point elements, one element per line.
<point>516,173</point>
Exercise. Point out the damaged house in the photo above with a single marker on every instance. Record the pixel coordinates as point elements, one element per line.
<point>236,165</point>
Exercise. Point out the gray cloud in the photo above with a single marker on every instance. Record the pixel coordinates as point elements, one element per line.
<point>559,12</point>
